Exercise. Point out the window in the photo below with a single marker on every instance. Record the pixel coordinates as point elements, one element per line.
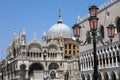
<point>69,46</point>
<point>73,52</point>
<point>73,46</point>
<point>28,54</point>
<point>65,46</point>
<point>118,24</point>
<point>69,52</point>
<point>101,29</point>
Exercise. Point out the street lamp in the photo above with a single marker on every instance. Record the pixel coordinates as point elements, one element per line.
<point>93,22</point>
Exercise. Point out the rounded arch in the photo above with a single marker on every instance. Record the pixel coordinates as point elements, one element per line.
<point>113,76</point>
<point>53,66</point>
<point>22,66</point>
<point>117,22</point>
<point>35,67</point>
<point>106,77</point>
<point>22,71</point>
<point>83,76</point>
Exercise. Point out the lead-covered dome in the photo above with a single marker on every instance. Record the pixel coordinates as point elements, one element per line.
<point>58,30</point>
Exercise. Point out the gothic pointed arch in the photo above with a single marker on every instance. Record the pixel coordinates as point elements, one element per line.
<point>99,76</point>
<point>117,22</point>
<point>83,76</point>
<point>113,76</point>
<point>106,77</point>
<point>88,77</point>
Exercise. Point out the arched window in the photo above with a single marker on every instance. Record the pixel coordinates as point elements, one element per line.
<point>101,29</point>
<point>118,24</point>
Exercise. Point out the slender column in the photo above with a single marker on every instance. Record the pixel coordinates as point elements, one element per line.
<point>108,62</point>
<point>88,63</point>
<point>116,60</point>
<point>95,74</point>
<point>102,62</point>
<point>91,63</point>
<point>99,62</point>
<point>85,64</point>
<point>105,62</point>
<point>112,61</point>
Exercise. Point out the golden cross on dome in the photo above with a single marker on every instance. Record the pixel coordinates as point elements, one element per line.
<point>59,12</point>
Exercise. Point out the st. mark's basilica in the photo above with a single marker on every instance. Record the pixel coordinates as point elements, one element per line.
<point>41,60</point>
<point>60,57</point>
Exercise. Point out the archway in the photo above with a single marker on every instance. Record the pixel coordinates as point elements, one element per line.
<point>53,66</point>
<point>36,71</point>
<point>53,75</point>
<point>99,76</point>
<point>83,76</point>
<point>66,76</point>
<point>113,76</point>
<point>106,77</point>
<point>22,72</point>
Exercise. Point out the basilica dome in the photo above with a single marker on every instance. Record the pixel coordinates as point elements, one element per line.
<point>59,29</point>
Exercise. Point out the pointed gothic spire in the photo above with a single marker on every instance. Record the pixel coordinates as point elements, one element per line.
<point>44,37</point>
<point>23,32</point>
<point>59,19</point>
<point>44,33</point>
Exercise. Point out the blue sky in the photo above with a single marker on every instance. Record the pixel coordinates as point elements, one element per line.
<point>34,15</point>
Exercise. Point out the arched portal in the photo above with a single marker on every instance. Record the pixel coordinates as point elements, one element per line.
<point>53,75</point>
<point>113,76</point>
<point>22,72</point>
<point>106,76</point>
<point>36,71</point>
<point>83,76</point>
<point>66,76</point>
<point>99,76</point>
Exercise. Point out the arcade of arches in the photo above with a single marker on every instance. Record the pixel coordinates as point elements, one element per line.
<point>102,76</point>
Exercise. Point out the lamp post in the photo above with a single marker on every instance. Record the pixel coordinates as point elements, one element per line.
<point>93,22</point>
